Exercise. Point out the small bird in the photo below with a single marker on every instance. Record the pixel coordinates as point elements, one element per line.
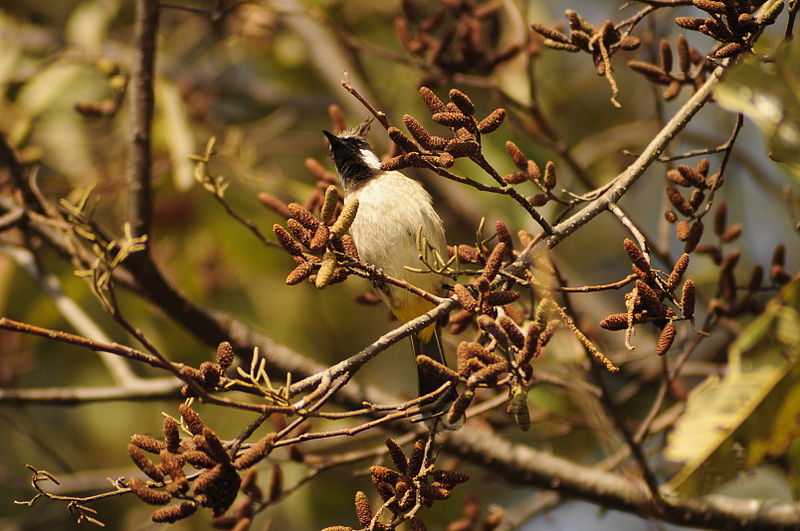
<point>392,209</point>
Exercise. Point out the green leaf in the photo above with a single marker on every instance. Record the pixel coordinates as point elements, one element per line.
<point>732,423</point>
<point>769,94</point>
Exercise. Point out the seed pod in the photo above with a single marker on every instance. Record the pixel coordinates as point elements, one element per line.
<point>320,238</point>
<point>256,453</point>
<point>710,6</point>
<point>147,443</point>
<point>173,513</point>
<point>459,407</point>
<point>549,33</point>
<point>729,50</point>
<point>316,169</point>
<point>692,175</point>
<point>416,129</point>
<point>756,276</point>
<point>672,90</point>
<point>444,160</point>
<point>395,163</point>
<point>431,100</point>
<point>682,230</point>
<point>730,261</point>
<point>578,22</point>
<point>682,46</point>
<point>677,272</point>
<point>452,119</point>
<point>465,298</point>
<point>636,256</point>
<point>345,218</point>
<point>145,465</point>
<point>147,494</point>
<point>650,300</point>
<point>691,23</point>
<point>696,198</point>
<point>666,338</point>
<point>192,419</point>
<point>679,202</point>
<point>490,326</point>
<point>450,477</point>
<point>492,121</point>
<point>299,273</point>
<point>462,101</point>
<point>650,70</point>
<point>549,175</point>
<point>688,299</point>
<point>695,233</point>
<point>400,138</point>
<point>733,232</point>
<point>287,241</point>
<point>488,374</point>
<point>495,261</point>
<point>467,351</point>
<point>516,177</point>
<point>224,354</point>
<point>665,55</point>
<point>198,459</point>
<point>619,321</point>
<point>349,246</point>
<point>462,148</point>
<point>172,437</point>
<point>676,177</point>
<point>215,446</point>
<point>273,203</point>
<point>441,370</point>
<point>512,331</point>
<point>302,234</point>
<point>326,270</point>
<point>771,14</point>
<point>397,455</point>
<point>363,510</point>
<point>501,298</point>
<point>303,215</point>
<point>670,216</point>
<point>517,156</point>
<point>538,200</point>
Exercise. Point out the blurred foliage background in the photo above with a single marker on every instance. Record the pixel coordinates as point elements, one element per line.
<point>260,76</point>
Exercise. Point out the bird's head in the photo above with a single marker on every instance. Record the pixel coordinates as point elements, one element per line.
<point>352,155</point>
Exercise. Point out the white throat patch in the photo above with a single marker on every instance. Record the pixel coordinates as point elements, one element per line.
<point>370,159</point>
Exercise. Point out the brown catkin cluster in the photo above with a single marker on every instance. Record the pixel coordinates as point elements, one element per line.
<point>690,72</point>
<point>456,37</point>
<point>218,481</point>
<point>731,23</point>
<point>651,297</point>
<point>402,487</point>
<point>307,236</point>
<point>698,182</point>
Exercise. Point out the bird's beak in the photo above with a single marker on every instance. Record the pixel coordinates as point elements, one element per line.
<point>333,139</point>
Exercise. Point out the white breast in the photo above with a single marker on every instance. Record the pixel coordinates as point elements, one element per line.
<point>391,210</point>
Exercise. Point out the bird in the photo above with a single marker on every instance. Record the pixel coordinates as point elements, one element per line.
<point>393,210</point>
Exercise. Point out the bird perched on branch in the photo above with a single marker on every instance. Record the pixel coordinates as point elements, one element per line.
<point>394,214</point>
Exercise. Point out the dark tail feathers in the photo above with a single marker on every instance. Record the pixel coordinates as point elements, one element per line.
<point>428,382</point>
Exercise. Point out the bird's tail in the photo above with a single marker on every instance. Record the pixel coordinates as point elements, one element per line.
<point>432,348</point>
